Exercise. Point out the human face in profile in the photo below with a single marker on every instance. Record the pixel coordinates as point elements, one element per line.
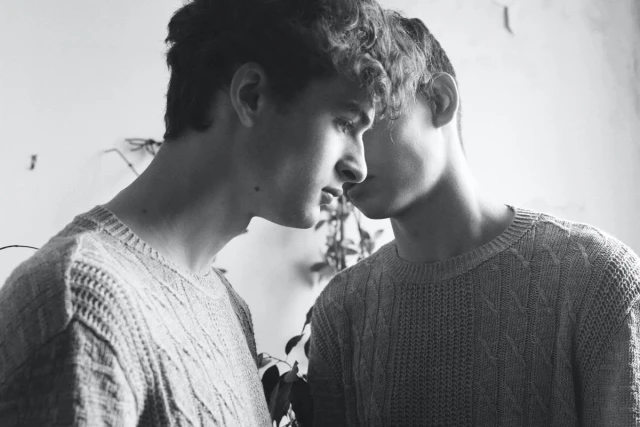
<point>406,159</point>
<point>310,149</point>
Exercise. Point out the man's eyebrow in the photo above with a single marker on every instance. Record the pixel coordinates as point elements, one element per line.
<point>356,107</point>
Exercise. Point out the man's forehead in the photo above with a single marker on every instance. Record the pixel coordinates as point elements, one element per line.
<point>347,94</point>
<point>354,105</point>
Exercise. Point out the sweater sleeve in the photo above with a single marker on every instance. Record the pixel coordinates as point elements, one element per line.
<point>609,345</point>
<point>73,379</point>
<point>324,374</point>
<point>613,397</point>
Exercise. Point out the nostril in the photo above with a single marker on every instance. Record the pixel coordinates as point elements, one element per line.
<point>349,175</point>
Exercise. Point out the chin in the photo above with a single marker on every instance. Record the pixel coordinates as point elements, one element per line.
<point>373,209</point>
<point>298,219</point>
<point>375,213</point>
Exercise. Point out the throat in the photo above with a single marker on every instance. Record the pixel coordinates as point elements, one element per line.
<point>446,234</point>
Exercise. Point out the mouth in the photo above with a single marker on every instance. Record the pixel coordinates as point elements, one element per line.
<point>349,185</point>
<point>334,192</point>
<point>328,194</point>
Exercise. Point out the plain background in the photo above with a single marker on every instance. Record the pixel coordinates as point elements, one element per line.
<point>551,123</point>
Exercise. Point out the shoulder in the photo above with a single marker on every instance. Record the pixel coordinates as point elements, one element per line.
<point>36,294</point>
<point>573,247</point>
<point>610,268</point>
<point>354,278</point>
<point>591,242</point>
<point>609,272</point>
<point>602,253</point>
<point>609,301</point>
<point>63,282</point>
<point>342,291</point>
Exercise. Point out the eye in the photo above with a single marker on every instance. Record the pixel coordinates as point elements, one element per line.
<point>346,126</point>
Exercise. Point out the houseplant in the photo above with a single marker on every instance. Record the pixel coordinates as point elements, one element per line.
<point>285,385</point>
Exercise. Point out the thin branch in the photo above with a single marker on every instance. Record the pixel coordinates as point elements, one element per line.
<point>507,24</point>
<point>277,359</point>
<point>123,158</point>
<point>17,246</point>
<point>148,144</point>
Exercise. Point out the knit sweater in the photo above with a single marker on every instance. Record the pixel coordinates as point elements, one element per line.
<point>98,329</point>
<point>538,327</point>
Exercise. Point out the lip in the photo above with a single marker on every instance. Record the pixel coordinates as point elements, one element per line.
<point>326,198</point>
<point>348,186</point>
<point>334,192</point>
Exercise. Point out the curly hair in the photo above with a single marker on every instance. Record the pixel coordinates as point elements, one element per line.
<point>295,41</point>
<point>427,55</point>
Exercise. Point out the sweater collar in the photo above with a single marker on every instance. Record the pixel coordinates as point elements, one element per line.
<point>108,222</point>
<point>442,270</point>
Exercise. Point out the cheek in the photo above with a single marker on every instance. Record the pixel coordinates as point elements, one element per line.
<point>310,160</point>
<point>400,162</point>
<point>323,150</point>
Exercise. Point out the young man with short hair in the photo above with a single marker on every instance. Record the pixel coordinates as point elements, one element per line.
<point>120,319</point>
<point>478,313</point>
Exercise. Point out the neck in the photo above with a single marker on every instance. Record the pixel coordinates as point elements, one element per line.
<point>182,206</point>
<point>454,218</point>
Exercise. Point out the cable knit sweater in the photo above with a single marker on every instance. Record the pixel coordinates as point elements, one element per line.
<point>539,327</point>
<point>98,329</point>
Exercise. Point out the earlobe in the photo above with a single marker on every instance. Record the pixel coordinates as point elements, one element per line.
<point>246,91</point>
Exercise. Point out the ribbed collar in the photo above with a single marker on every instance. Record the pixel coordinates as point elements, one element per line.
<point>409,272</point>
<point>108,222</point>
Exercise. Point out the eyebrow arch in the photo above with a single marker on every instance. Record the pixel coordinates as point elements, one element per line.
<point>356,107</point>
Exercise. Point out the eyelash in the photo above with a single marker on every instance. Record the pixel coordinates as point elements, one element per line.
<point>346,126</point>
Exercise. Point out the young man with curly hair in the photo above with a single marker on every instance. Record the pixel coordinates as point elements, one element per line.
<point>478,313</point>
<point>120,319</point>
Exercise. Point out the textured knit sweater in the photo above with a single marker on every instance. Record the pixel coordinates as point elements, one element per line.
<point>98,329</point>
<point>538,327</point>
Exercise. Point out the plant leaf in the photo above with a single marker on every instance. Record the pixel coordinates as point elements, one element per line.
<point>262,361</point>
<point>280,403</point>
<point>347,243</point>
<point>309,314</point>
<point>302,403</point>
<point>292,375</point>
<point>370,246</point>
<point>292,343</point>
<point>351,251</point>
<point>306,347</point>
<point>272,401</point>
<point>318,266</point>
<point>320,224</point>
<point>327,271</point>
<point>270,381</point>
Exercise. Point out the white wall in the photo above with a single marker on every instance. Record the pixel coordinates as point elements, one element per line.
<point>552,122</point>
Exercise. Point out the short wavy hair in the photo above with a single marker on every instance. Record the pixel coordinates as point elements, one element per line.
<point>424,52</point>
<point>295,41</point>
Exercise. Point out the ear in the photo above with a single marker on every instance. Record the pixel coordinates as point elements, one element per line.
<point>443,99</point>
<point>247,91</point>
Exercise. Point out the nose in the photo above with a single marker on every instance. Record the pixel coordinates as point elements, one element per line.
<point>353,167</point>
